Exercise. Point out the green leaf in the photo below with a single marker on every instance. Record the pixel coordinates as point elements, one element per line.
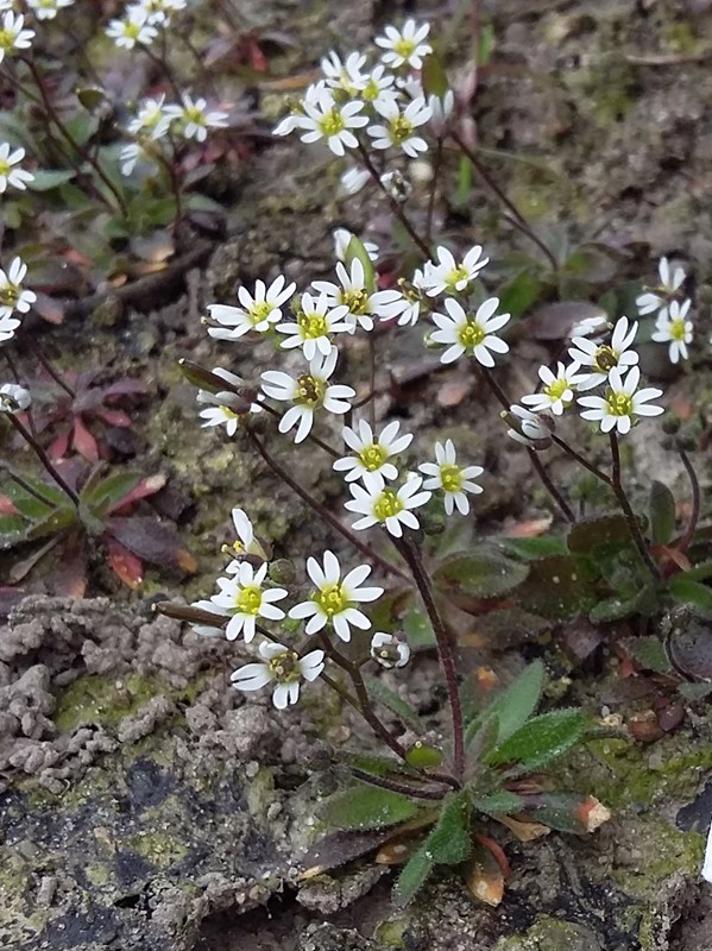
<point>697,596</point>
<point>514,705</point>
<point>450,841</point>
<point>47,179</point>
<point>501,803</point>
<point>100,495</point>
<point>517,295</point>
<point>422,756</point>
<point>366,807</point>
<point>373,763</point>
<point>530,549</point>
<point>484,571</point>
<point>587,536</point>
<point>700,572</point>
<point>433,76</point>
<point>695,692</point>
<point>558,587</point>
<point>414,875</point>
<point>650,653</point>
<point>395,704</point>
<point>418,629</point>
<point>560,811</point>
<point>661,507</point>
<point>620,606</point>
<point>356,250</point>
<point>542,739</point>
<point>486,45</point>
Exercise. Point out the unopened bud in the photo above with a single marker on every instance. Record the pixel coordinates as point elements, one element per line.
<point>282,571</point>
<point>432,523</point>
<point>389,650</point>
<point>532,430</point>
<point>397,185</point>
<point>671,425</point>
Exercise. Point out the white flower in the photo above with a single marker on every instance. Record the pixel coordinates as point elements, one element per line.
<point>387,507</point>
<point>204,629</point>
<point>194,119</point>
<point>307,393</point>
<point>245,544</point>
<point>673,327</point>
<point>129,156</point>
<point>13,398</point>
<point>397,185</point>
<point>706,872</point>
<point>316,321</point>
<point>13,36</point>
<point>325,118</point>
<point>400,131</point>
<point>8,326</point>
<point>389,651</point>
<point>47,9</point>
<point>621,403</point>
<point>406,45</point>
<point>371,454</point>
<point>474,336</point>
<point>448,275</point>
<point>13,297</point>
<point>152,118</point>
<point>282,666</point>
<point>557,393</point>
<point>225,407</point>
<point>244,599</point>
<point>159,11</point>
<point>15,177</point>
<point>412,299</point>
<point>359,304</point>
<point>378,86</point>
<point>334,601</point>
<point>134,29</point>
<point>532,430</point>
<point>258,312</point>
<point>441,108</point>
<point>604,358</point>
<point>454,480</point>
<point>589,327</point>
<point>342,239</point>
<point>346,75</point>
<point>658,297</point>
<point>354,179</point>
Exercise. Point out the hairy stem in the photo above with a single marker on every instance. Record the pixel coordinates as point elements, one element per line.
<point>630,516</point>
<point>582,460</point>
<point>405,789</point>
<point>43,458</point>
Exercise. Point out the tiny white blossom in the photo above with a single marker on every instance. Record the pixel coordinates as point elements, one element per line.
<point>129,157</point>
<point>670,283</point>
<point>151,118</point>
<point>706,872</point>
<point>283,667</point>
<point>246,542</point>
<point>441,109</point>
<point>397,185</point>
<point>371,453</point>
<point>674,328</point>
<point>621,402</point>
<point>8,326</point>
<point>602,358</point>
<point>388,507</point>
<point>342,238</point>
<point>9,175</point>
<point>258,312</point>
<point>474,336</point>
<point>333,602</point>
<point>47,9</point>
<point>532,430</point>
<point>450,276</point>
<point>225,407</point>
<point>378,86</point>
<point>400,132</point>
<point>13,297</point>
<point>558,391</point>
<point>389,651</point>
<point>204,629</point>
<point>354,179</point>
<point>134,29</point>
<point>346,75</point>
<point>159,12</point>
<point>593,327</point>
<point>244,598</point>
<point>316,321</point>
<point>13,36</point>
<point>412,292</point>
<point>406,46</point>
<point>307,393</point>
<point>455,481</point>
<point>325,118</point>
<point>194,119</point>
<point>14,398</point>
<point>360,304</point>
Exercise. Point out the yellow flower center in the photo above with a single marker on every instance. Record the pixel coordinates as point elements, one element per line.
<point>387,505</point>
<point>260,311</point>
<point>4,167</point>
<point>332,123</point>
<point>619,404</point>
<point>404,47</point>
<point>677,328</point>
<point>331,599</point>
<point>194,115</point>
<point>605,359</point>
<point>401,129</point>
<point>9,295</point>
<point>310,390</point>
<point>229,413</point>
<point>373,457</point>
<point>7,40</point>
<point>471,334</point>
<point>284,667</point>
<point>132,30</point>
<point>557,389</point>
<point>234,548</point>
<point>311,325</point>
<point>370,91</point>
<point>451,478</point>
<point>460,273</point>
<point>249,599</point>
<point>356,301</point>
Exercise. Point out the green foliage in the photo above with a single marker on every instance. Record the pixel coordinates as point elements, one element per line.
<point>541,740</point>
<point>500,803</point>
<point>484,571</point>
<point>395,704</point>
<point>650,653</point>
<point>513,706</point>
<point>617,607</point>
<point>366,807</point>
<point>422,756</point>
<point>433,76</point>
<point>559,587</point>
<point>356,251</point>
<point>693,594</point>
<point>661,507</point>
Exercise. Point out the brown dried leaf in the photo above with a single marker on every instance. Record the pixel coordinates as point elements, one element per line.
<point>524,829</point>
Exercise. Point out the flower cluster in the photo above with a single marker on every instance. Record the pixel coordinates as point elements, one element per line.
<point>14,298</point>
<point>673,325</point>
<point>141,21</point>
<point>13,35</point>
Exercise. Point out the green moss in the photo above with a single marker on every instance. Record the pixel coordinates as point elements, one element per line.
<point>550,934</point>
<point>103,700</point>
<point>391,934</point>
<point>663,850</point>
<point>161,848</point>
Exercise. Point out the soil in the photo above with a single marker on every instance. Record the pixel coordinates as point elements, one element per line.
<point>144,804</point>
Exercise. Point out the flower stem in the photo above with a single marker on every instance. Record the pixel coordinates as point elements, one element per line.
<point>582,460</point>
<point>630,516</point>
<point>47,365</point>
<point>43,457</point>
<point>686,539</point>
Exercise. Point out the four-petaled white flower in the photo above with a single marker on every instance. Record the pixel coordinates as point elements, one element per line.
<point>602,358</point>
<point>244,598</point>
<point>13,36</point>
<point>342,239</point>
<point>673,327</point>
<point>406,46</point>
<point>371,453</point>
<point>475,336</point>
<point>346,75</point>
<point>258,312</point>
<point>449,276</point>
<point>151,118</point>
<point>47,9</point>
<point>455,481</point>
<point>378,86</point>
<point>354,179</point>
<point>194,119</point>
<point>671,280</point>
<point>9,175</point>
<point>400,132</point>
<point>225,408</point>
<point>388,507</point>
<point>281,666</point>
<point>333,602</point>
<point>307,393</point>
<point>325,118</point>
<point>13,297</point>
<point>441,108</point>
<point>361,306</point>
<point>558,391</point>
<point>134,29</point>
<point>389,651</point>
<point>412,292</point>
<point>532,430</point>
<point>314,324</point>
<point>8,326</point>
<point>621,402</point>
<point>246,543</point>
<point>14,398</point>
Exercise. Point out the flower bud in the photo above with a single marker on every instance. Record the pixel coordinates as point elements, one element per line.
<point>14,399</point>
<point>397,185</point>
<point>532,430</point>
<point>389,650</point>
<point>282,572</point>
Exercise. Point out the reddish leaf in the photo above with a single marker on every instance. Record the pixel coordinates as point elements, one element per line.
<point>125,387</point>
<point>145,488</point>
<point>69,580</point>
<point>49,309</point>
<point>84,442</point>
<point>115,417</point>
<point>7,506</point>
<point>59,446</point>
<point>152,541</point>
<point>125,565</point>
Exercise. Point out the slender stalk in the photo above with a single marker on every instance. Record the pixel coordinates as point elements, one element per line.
<point>445,650</point>
<point>43,457</point>
<point>46,363</point>
<point>630,516</point>
<point>372,378</point>
<point>405,789</point>
<point>517,219</point>
<point>550,487</point>
<point>686,539</point>
<point>204,73</point>
<point>174,181</point>
<point>322,511</point>
<point>582,460</point>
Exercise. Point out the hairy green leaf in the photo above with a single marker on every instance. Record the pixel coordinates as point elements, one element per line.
<point>697,596</point>
<point>501,803</point>
<point>450,841</point>
<point>565,812</point>
<point>558,587</point>
<point>356,250</point>
<point>589,535</point>
<point>418,628</point>
<point>650,653</point>
<point>366,807</point>
<point>514,705</point>
<point>642,601</point>
<point>661,507</point>
<point>373,763</point>
<point>542,739</point>
<point>414,875</point>
<point>532,548</point>
<point>700,572</point>
<point>47,179</point>
<point>484,571</point>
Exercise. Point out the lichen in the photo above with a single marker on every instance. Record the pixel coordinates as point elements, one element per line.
<point>105,701</point>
